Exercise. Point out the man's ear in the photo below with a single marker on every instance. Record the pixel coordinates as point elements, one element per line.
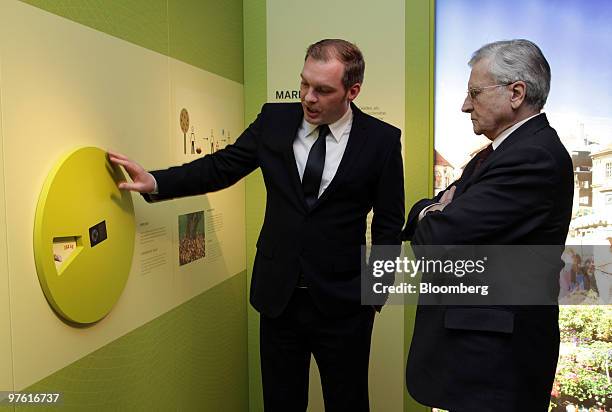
<point>518,94</point>
<point>353,92</point>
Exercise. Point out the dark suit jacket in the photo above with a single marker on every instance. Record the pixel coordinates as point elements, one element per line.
<point>323,243</point>
<point>494,358</point>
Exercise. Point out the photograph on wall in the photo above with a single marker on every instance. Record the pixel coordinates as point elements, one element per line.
<point>575,37</point>
<point>192,242</point>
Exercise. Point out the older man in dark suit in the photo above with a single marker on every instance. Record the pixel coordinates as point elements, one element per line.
<point>517,191</point>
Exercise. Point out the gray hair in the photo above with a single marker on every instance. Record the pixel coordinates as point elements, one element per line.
<point>514,60</point>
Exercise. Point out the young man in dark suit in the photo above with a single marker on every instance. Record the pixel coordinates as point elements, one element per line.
<point>325,165</point>
<point>517,191</point>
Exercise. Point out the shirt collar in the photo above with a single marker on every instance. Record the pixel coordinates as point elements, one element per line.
<point>337,128</point>
<point>503,135</point>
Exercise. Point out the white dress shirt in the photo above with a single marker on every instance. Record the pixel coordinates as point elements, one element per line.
<point>335,144</point>
<point>503,135</point>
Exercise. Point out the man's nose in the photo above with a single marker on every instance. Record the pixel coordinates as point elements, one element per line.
<point>310,96</point>
<point>467,105</point>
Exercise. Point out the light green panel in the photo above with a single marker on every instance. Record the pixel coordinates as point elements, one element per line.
<point>58,99</point>
<point>418,153</point>
<point>6,359</point>
<point>142,22</point>
<point>383,95</point>
<point>211,350</point>
<point>419,133</point>
<point>369,26</point>
<point>418,150</point>
<point>255,92</point>
<point>190,359</point>
<point>208,34</point>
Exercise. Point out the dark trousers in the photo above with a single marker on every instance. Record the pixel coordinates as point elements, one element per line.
<point>340,346</point>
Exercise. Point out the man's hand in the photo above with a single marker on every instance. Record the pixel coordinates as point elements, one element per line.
<point>447,197</point>
<point>143,181</point>
<point>445,200</point>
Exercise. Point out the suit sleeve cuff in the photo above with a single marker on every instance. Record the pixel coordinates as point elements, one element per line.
<point>156,189</point>
<point>426,209</point>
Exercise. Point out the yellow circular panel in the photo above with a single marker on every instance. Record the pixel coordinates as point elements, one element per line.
<point>83,236</point>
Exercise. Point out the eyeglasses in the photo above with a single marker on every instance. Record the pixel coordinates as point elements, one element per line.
<point>473,92</point>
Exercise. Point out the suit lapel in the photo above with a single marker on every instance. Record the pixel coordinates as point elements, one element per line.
<point>527,130</point>
<point>287,133</point>
<point>466,176</point>
<point>357,137</point>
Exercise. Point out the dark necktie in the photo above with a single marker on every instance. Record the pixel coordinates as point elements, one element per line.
<point>311,180</point>
<point>482,156</point>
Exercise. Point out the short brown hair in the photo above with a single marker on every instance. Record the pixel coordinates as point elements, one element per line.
<point>346,52</point>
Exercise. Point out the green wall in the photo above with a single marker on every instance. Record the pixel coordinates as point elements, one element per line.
<point>190,359</point>
<point>193,357</point>
<point>204,33</point>
<point>255,94</point>
<point>6,361</point>
<point>419,134</point>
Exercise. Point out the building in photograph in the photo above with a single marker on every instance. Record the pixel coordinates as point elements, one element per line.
<point>592,223</point>
<point>583,191</point>
<point>444,173</point>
